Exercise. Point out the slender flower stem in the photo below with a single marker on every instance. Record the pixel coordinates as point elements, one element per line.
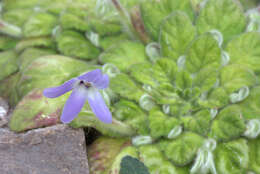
<point>125,17</point>
<point>10,29</point>
<point>138,25</point>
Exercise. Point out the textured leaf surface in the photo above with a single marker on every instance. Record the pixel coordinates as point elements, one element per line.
<point>232,157</point>
<point>124,55</point>
<point>177,32</point>
<point>153,158</point>
<point>204,52</point>
<point>228,125</point>
<point>183,150</point>
<point>234,77</point>
<point>245,50</point>
<point>72,43</point>
<point>224,15</point>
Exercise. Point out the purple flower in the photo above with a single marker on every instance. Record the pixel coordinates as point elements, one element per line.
<point>84,87</point>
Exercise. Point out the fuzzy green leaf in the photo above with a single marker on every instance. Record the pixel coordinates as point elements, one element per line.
<point>68,43</point>
<point>124,54</point>
<point>224,15</point>
<point>204,52</point>
<point>228,124</point>
<point>8,63</point>
<point>182,150</point>
<point>245,50</point>
<point>122,85</point>
<point>155,161</point>
<point>39,24</point>
<point>232,157</point>
<point>177,32</point>
<point>234,77</point>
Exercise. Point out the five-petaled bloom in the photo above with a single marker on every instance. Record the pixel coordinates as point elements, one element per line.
<point>84,87</point>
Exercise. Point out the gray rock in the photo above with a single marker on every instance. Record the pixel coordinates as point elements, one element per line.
<point>3,112</point>
<point>52,150</point>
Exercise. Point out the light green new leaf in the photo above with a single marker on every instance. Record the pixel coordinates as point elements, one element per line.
<point>228,124</point>
<point>124,86</point>
<point>160,124</point>
<point>183,80</point>
<point>70,21</point>
<point>250,106</point>
<point>182,150</point>
<point>204,52</point>
<point>227,16</point>
<point>124,54</point>
<point>39,24</point>
<point>199,123</point>
<point>153,12</point>
<point>254,155</point>
<point>176,34</point>
<point>245,50</point>
<point>155,160</point>
<point>131,114</point>
<point>232,157</point>
<point>233,77</point>
<point>205,79</point>
<point>72,43</point>
<point>8,63</point>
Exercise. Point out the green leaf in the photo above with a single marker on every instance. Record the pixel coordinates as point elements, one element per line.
<point>245,50</point>
<point>234,77</point>
<point>124,54</point>
<point>183,80</point>
<point>102,152</point>
<point>30,54</point>
<point>17,16</point>
<point>227,16</point>
<point>250,106</point>
<point>39,24</point>
<point>122,85</point>
<point>228,124</point>
<point>160,124</point>
<point>205,79</point>
<point>153,158</point>
<point>232,157</point>
<point>70,21</point>
<point>199,123</point>
<point>8,64</point>
<point>7,43</point>
<point>130,165</point>
<point>177,32</point>
<point>131,114</point>
<point>42,111</point>
<point>204,52</point>
<point>49,71</point>
<point>254,155</point>
<point>127,151</point>
<point>68,43</point>
<point>42,42</point>
<point>182,150</point>
<point>218,98</point>
<point>153,12</point>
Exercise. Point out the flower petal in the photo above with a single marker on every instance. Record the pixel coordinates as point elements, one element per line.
<point>91,76</point>
<point>59,90</point>
<point>73,105</point>
<point>102,82</point>
<point>99,106</point>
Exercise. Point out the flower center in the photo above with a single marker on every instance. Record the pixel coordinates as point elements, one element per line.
<point>86,84</point>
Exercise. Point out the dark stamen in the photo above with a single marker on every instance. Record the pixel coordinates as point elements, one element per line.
<point>87,84</point>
